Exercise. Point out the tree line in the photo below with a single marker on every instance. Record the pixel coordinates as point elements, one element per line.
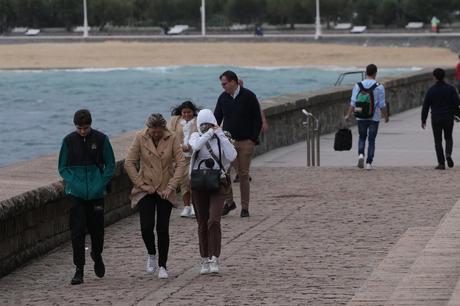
<point>69,13</point>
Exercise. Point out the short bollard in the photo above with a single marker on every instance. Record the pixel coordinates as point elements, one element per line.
<point>312,138</point>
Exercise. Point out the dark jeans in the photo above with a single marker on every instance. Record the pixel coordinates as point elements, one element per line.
<point>208,210</point>
<point>439,125</point>
<point>367,129</point>
<point>147,207</point>
<point>86,214</point>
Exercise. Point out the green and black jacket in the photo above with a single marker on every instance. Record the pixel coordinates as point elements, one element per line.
<point>87,164</point>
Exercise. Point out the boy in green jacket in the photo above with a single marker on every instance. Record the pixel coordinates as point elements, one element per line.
<point>86,163</point>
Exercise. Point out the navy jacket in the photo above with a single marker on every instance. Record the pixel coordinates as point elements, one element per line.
<point>241,115</point>
<point>443,100</point>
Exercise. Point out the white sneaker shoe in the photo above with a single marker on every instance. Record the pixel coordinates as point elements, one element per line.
<point>151,263</point>
<point>186,211</point>
<point>368,167</point>
<point>204,266</point>
<point>214,265</point>
<point>162,273</point>
<point>192,211</point>
<point>361,161</point>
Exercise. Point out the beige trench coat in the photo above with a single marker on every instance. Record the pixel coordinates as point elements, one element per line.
<point>160,167</point>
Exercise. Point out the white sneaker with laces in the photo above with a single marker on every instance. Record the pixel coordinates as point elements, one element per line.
<point>368,167</point>
<point>361,161</point>
<point>186,211</point>
<point>204,266</point>
<point>151,263</point>
<point>162,273</point>
<point>214,265</point>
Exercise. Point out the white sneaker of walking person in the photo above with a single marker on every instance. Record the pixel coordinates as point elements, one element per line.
<point>214,265</point>
<point>368,167</point>
<point>361,161</point>
<point>151,263</point>
<point>192,211</point>
<point>162,273</point>
<point>204,266</point>
<point>186,211</point>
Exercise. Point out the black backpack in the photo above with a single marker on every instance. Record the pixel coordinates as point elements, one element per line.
<point>365,101</point>
<point>343,140</point>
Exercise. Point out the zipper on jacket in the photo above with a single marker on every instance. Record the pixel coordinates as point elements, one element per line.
<point>87,191</point>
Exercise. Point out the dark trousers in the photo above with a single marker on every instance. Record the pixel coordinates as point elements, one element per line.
<point>367,129</point>
<point>440,125</point>
<point>86,215</point>
<point>208,210</point>
<point>147,207</point>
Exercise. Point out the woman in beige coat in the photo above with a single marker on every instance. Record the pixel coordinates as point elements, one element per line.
<point>161,168</point>
<point>183,123</point>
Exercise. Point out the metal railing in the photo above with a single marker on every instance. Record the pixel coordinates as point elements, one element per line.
<point>344,74</point>
<point>313,127</point>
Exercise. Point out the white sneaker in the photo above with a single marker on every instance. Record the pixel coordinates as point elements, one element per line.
<point>361,161</point>
<point>162,273</point>
<point>151,263</point>
<point>186,211</point>
<point>204,266</point>
<point>368,167</point>
<point>192,211</point>
<point>214,265</point>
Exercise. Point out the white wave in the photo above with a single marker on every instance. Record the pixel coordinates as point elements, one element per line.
<point>166,69</point>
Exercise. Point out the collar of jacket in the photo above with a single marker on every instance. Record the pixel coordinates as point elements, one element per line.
<point>148,143</point>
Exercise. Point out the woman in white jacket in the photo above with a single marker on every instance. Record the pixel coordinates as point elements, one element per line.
<point>209,205</point>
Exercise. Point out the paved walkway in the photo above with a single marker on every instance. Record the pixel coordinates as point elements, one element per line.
<point>400,142</point>
<point>317,236</point>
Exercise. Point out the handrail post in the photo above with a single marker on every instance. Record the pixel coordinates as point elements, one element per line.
<point>312,138</point>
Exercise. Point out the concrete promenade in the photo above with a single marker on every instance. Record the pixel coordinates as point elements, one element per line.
<point>333,235</point>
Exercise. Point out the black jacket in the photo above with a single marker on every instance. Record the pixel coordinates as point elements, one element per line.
<point>443,100</point>
<point>241,115</point>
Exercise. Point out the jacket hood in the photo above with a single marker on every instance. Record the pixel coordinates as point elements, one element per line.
<point>205,116</point>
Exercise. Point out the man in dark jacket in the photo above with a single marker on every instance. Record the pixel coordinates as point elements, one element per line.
<point>443,100</point>
<point>239,110</point>
<point>86,163</point>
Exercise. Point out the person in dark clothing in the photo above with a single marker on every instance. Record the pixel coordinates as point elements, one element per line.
<point>443,100</point>
<point>239,110</point>
<point>86,163</point>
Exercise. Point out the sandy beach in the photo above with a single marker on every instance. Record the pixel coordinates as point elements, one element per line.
<point>136,54</point>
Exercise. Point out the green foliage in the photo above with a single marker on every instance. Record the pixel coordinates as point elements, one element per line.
<point>69,13</point>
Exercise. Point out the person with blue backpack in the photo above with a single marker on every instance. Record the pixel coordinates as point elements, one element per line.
<point>368,106</point>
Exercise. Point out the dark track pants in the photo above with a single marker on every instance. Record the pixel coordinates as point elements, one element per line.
<point>86,214</point>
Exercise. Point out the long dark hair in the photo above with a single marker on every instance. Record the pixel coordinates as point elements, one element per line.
<point>177,111</point>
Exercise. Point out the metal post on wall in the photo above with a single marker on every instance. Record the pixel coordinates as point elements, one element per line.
<point>313,132</point>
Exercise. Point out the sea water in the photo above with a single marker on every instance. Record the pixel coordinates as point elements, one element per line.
<point>37,106</point>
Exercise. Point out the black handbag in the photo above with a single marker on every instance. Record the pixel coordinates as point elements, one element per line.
<point>207,179</point>
<point>343,140</point>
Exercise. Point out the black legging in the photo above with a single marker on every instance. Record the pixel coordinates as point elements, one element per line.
<point>163,207</point>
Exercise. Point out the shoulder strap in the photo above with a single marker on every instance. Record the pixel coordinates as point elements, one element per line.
<point>374,86</point>
<point>370,89</point>
<point>219,160</point>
